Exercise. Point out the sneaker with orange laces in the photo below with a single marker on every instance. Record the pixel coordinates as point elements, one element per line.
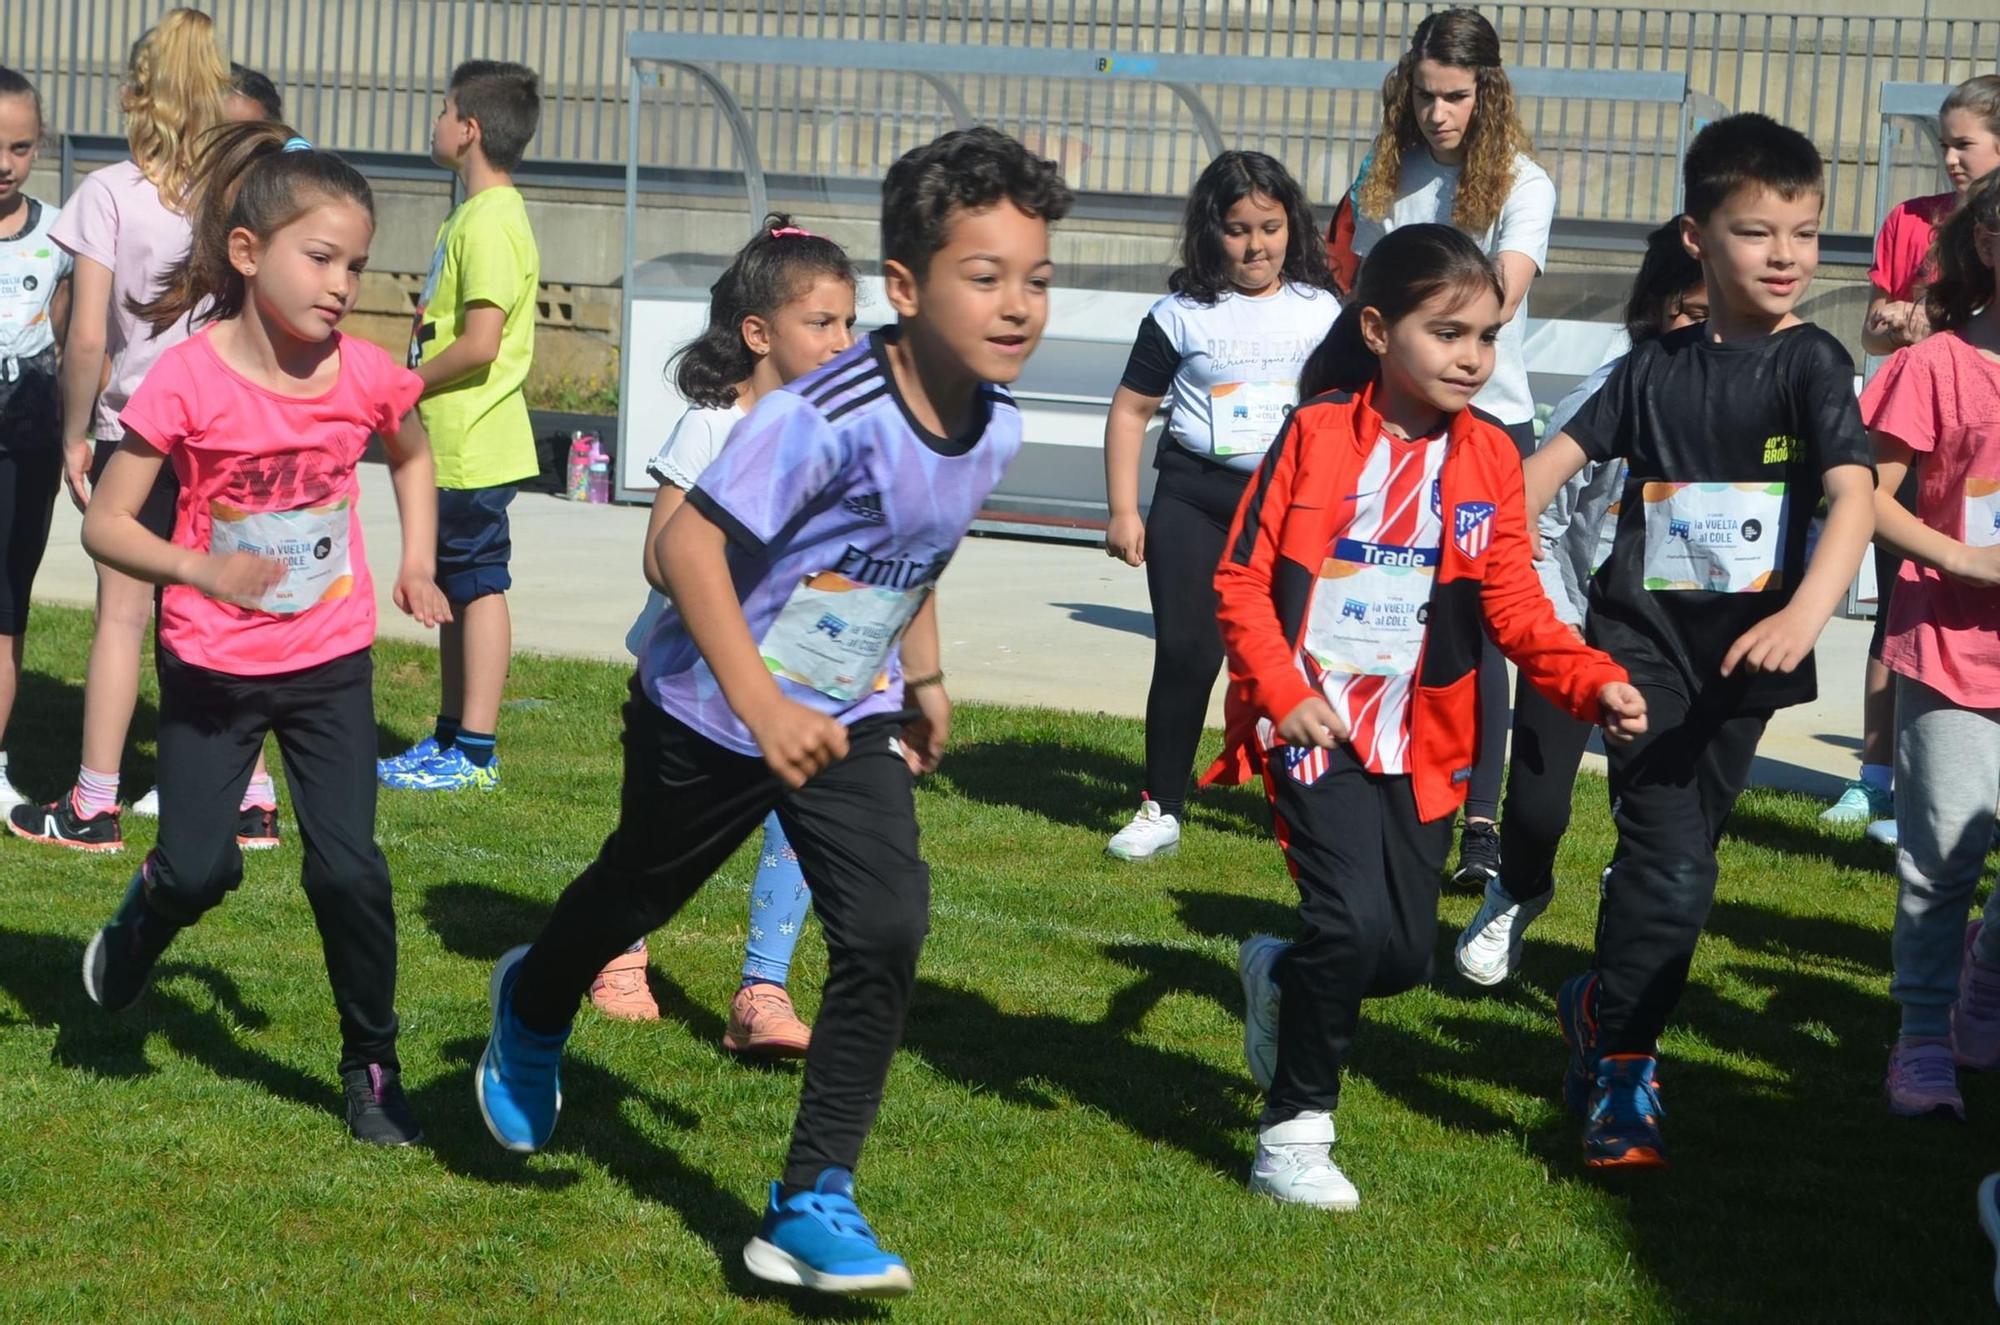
<point>620,988</point>
<point>762,1022</point>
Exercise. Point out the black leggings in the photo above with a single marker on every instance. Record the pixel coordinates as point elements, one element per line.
<point>1482,795</point>
<point>1548,750</point>
<point>1185,533</point>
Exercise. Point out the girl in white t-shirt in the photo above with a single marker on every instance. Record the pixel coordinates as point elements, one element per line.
<point>1452,152</point>
<point>1251,300</point>
<point>784,307</point>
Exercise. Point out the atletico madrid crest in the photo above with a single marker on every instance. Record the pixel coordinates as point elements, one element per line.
<point>1472,526</point>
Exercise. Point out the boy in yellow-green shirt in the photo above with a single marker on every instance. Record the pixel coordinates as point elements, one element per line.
<point>472,343</point>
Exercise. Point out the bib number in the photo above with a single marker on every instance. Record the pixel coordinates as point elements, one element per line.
<point>1244,418</point>
<point>1368,620</point>
<point>834,635</point>
<point>312,542</point>
<point>1716,537</point>
<point>1982,512</point>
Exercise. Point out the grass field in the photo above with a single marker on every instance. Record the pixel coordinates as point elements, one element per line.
<point>1066,1130</point>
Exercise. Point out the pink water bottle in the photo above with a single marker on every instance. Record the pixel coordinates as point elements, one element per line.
<point>600,478</point>
<point>582,450</point>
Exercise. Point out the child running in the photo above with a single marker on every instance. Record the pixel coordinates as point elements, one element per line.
<point>1380,542</point>
<point>269,610</point>
<point>1250,300</point>
<point>1940,399</point>
<point>784,307</point>
<point>1730,431</point>
<point>34,312</point>
<point>1576,535</point>
<point>797,668</point>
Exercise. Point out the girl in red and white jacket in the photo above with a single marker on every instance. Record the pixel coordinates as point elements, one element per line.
<point>1383,533</point>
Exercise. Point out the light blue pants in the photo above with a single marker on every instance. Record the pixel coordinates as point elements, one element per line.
<point>779,901</point>
<point>1947,782</point>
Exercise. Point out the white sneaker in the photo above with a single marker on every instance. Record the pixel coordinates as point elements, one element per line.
<point>1254,960</point>
<point>1883,831</point>
<point>1490,948</point>
<point>148,805</point>
<point>9,797</point>
<point>1150,834</point>
<point>1295,1165</point>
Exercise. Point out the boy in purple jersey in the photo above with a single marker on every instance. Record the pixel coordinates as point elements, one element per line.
<point>798,669</point>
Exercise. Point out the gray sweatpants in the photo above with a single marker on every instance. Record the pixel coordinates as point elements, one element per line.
<point>1947,783</point>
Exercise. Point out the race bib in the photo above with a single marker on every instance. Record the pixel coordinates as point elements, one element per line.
<point>311,541</point>
<point>1982,512</point>
<point>834,634</point>
<point>1719,537</point>
<point>1244,418</point>
<point>1369,609</point>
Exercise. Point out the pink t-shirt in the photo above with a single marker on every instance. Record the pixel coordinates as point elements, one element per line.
<point>116,219</point>
<point>273,474</point>
<point>1903,247</point>
<point>1941,398</point>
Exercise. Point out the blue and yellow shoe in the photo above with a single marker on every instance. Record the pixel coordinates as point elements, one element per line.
<point>819,1240</point>
<point>447,770</point>
<point>519,1081</point>
<point>396,765</point>
<point>1576,1013</point>
<point>1623,1128</point>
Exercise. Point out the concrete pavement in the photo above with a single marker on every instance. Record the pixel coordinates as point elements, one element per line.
<point>1049,624</point>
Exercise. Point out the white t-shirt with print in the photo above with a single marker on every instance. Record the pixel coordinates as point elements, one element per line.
<point>31,266</point>
<point>695,441</point>
<point>1426,193</point>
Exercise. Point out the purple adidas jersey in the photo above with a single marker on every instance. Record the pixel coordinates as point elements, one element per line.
<point>841,513</point>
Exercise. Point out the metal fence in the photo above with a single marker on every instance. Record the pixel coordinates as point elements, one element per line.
<point>368,75</point>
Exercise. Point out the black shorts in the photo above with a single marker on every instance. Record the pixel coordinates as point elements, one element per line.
<point>474,542</point>
<point>1888,566</point>
<point>157,515</point>
<point>30,474</point>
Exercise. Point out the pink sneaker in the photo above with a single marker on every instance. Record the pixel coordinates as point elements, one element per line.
<point>1975,1018</point>
<point>620,989</point>
<point>762,1022</point>
<point>1922,1080</point>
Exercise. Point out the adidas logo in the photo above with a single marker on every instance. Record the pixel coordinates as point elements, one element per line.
<point>868,506</point>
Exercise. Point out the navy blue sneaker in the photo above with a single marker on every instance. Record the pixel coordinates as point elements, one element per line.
<point>518,1081</point>
<point>1576,1013</point>
<point>118,964</point>
<point>819,1240</point>
<point>1623,1128</point>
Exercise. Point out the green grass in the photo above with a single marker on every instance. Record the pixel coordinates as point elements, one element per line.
<point>1065,1132</point>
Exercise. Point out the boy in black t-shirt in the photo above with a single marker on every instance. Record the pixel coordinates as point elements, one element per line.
<point>1732,430</point>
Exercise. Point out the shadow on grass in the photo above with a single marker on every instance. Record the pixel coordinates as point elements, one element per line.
<point>45,734</point>
<point>1085,787</point>
<point>1848,850</point>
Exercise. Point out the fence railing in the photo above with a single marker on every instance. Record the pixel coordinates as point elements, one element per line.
<point>369,74</point>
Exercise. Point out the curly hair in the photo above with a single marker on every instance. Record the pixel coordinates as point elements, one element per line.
<point>778,265</point>
<point>175,86</point>
<point>1230,178</point>
<point>1462,39</point>
<point>1964,284</point>
<point>966,170</point>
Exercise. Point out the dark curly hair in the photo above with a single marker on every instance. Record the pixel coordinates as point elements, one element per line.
<point>1230,178</point>
<point>778,265</point>
<point>966,170</point>
<point>1406,270</point>
<point>1964,284</point>
<point>1667,272</point>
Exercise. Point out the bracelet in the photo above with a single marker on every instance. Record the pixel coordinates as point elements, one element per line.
<point>914,683</point>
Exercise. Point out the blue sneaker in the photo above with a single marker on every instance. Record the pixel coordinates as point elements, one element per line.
<point>447,770</point>
<point>1860,804</point>
<point>819,1240</point>
<point>1576,1013</point>
<point>518,1082</point>
<point>396,765</point>
<point>1623,1129</point>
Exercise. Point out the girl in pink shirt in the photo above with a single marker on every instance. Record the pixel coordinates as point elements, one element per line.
<point>268,610</point>
<point>1940,399</point>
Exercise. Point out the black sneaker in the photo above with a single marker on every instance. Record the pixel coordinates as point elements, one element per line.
<point>1478,856</point>
<point>257,828</point>
<point>118,964</point>
<point>59,825</point>
<point>377,1110</point>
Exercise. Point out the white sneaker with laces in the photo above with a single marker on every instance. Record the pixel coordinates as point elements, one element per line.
<point>1883,832</point>
<point>1254,960</point>
<point>148,805</point>
<point>1490,948</point>
<point>1295,1164</point>
<point>1151,833</point>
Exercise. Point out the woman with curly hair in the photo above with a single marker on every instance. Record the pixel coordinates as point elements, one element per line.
<point>1452,151</point>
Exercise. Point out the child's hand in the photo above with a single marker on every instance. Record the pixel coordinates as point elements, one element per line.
<point>924,739</point>
<point>797,741</point>
<point>242,578</point>
<point>1778,643</point>
<point>76,471</point>
<point>1624,710</point>
<point>1977,566</point>
<point>418,597</point>
<point>1125,539</point>
<point>1313,722</point>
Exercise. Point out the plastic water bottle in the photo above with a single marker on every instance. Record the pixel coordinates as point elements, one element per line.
<point>583,449</point>
<point>600,479</point>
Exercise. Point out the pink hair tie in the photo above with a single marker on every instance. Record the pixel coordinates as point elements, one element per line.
<point>787,232</point>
